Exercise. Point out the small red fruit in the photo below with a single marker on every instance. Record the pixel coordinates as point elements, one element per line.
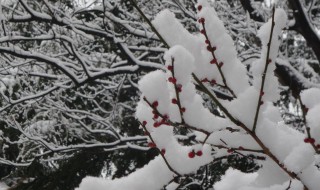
<point>151,145</point>
<point>144,123</point>
<point>205,80</point>
<point>163,151</point>
<point>201,20</point>
<point>318,146</point>
<point>220,64</point>
<point>199,7</point>
<point>202,31</point>
<point>312,141</point>
<point>213,61</point>
<point>214,48</point>
<point>207,41</point>
<point>213,82</point>
<point>191,154</point>
<point>170,67</point>
<point>209,48</point>
<point>155,116</point>
<point>240,148</point>
<point>230,151</point>
<point>156,124</point>
<point>261,93</point>
<point>172,79</point>
<point>183,110</point>
<point>307,140</point>
<point>261,102</point>
<point>174,101</point>
<point>199,153</point>
<point>179,87</point>
<point>155,104</point>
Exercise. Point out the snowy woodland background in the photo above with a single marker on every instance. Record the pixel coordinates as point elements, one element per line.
<point>159,94</point>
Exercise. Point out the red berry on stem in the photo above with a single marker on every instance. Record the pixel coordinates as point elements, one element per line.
<point>155,116</point>
<point>213,82</point>
<point>220,64</point>
<point>174,101</point>
<point>202,31</point>
<point>307,140</point>
<point>209,48</point>
<point>213,61</point>
<point>163,151</point>
<point>240,148</point>
<point>156,124</point>
<point>312,141</point>
<point>204,80</point>
<point>199,153</point>
<point>207,41</point>
<point>214,48</point>
<point>318,146</point>
<point>170,67</point>
<point>144,123</point>
<point>229,150</point>
<point>173,80</point>
<point>261,93</point>
<point>155,104</point>
<point>201,20</point>
<point>199,7</point>
<point>179,87</point>
<point>191,154</point>
<point>151,145</point>
<point>183,110</point>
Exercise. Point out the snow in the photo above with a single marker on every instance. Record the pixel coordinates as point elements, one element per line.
<point>3,186</point>
<point>234,180</point>
<point>169,100</point>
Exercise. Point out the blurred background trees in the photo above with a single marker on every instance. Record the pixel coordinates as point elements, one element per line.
<point>69,72</point>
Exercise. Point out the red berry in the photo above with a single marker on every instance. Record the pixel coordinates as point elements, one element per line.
<point>170,68</point>
<point>201,20</point>
<point>179,87</point>
<point>230,151</point>
<point>174,101</point>
<point>213,61</point>
<point>165,116</point>
<point>306,140</point>
<point>199,7</point>
<point>312,141</point>
<point>240,148</point>
<point>146,133</point>
<point>204,80</point>
<point>151,145</point>
<point>318,146</point>
<point>207,41</point>
<point>173,80</point>
<point>220,64</point>
<point>191,154</point>
<point>144,123</point>
<point>163,151</point>
<point>261,93</point>
<point>213,82</point>
<point>155,116</point>
<point>203,31</point>
<point>209,48</point>
<point>155,104</point>
<point>199,153</point>
<point>156,124</point>
<point>214,48</point>
<point>183,110</point>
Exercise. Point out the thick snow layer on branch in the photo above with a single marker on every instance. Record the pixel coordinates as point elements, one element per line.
<point>157,172</point>
<point>271,91</point>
